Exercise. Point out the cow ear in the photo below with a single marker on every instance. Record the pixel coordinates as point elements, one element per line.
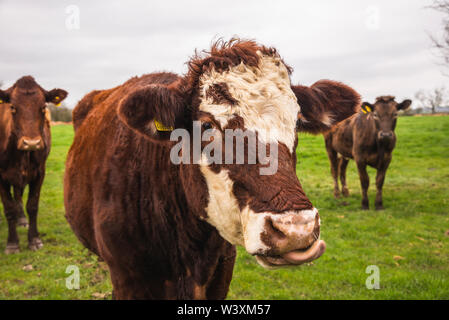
<point>404,105</point>
<point>153,111</point>
<point>4,96</point>
<point>56,96</point>
<point>367,107</point>
<point>324,104</point>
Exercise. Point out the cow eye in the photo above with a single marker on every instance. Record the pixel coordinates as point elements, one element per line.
<point>207,126</point>
<point>13,109</point>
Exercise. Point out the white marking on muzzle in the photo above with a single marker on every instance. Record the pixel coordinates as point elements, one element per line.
<point>254,226</point>
<point>245,227</point>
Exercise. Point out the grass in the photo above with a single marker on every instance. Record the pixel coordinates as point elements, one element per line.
<point>407,241</point>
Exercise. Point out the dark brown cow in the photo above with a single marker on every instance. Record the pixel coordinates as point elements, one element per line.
<point>167,230</point>
<point>368,138</point>
<point>24,146</point>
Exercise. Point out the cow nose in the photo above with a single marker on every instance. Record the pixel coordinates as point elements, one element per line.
<point>28,144</point>
<point>294,230</point>
<point>385,135</point>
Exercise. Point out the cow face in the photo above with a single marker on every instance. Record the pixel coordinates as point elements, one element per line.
<point>385,114</point>
<point>268,214</point>
<point>27,110</point>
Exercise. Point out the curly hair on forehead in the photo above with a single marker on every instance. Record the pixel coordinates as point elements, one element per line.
<point>25,85</point>
<point>226,54</point>
<point>385,99</point>
<point>26,82</point>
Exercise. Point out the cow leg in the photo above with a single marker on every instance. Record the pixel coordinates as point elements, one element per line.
<point>364,181</point>
<point>342,168</point>
<point>138,285</point>
<point>10,207</point>
<point>380,179</point>
<point>333,158</point>
<point>22,220</point>
<point>219,285</point>
<point>34,242</point>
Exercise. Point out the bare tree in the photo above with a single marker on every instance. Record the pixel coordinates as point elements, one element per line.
<point>432,99</point>
<point>442,45</point>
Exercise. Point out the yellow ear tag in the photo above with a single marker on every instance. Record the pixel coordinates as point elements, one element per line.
<point>1,101</point>
<point>161,127</point>
<point>366,109</point>
<point>59,103</point>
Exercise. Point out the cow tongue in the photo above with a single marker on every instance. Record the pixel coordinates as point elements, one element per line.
<point>303,256</point>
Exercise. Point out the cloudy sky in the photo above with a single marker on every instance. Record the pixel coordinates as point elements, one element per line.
<point>378,46</point>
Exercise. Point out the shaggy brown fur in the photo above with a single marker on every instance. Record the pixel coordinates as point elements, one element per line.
<point>325,95</point>
<point>142,214</point>
<point>368,138</point>
<point>24,146</point>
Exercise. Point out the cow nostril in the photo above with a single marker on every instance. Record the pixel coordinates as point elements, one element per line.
<point>30,144</point>
<point>273,230</point>
<point>292,230</point>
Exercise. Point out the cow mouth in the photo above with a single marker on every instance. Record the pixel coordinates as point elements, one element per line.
<point>294,258</point>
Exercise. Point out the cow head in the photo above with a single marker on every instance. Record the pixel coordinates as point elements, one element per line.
<point>241,86</point>
<point>385,113</point>
<point>27,113</point>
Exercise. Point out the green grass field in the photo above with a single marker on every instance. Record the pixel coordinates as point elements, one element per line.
<point>408,242</point>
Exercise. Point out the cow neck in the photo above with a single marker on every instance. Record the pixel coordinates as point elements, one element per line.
<point>5,134</point>
<point>185,206</point>
<point>195,246</point>
<point>11,155</point>
<point>367,127</point>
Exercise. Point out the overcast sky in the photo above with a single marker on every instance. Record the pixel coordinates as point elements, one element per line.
<point>379,46</point>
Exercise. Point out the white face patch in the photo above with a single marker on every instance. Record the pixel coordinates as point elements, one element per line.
<point>238,227</point>
<point>253,226</point>
<point>223,210</point>
<point>264,98</point>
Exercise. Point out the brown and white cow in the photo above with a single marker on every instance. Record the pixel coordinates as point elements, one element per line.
<point>24,147</point>
<point>368,138</point>
<point>169,231</point>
